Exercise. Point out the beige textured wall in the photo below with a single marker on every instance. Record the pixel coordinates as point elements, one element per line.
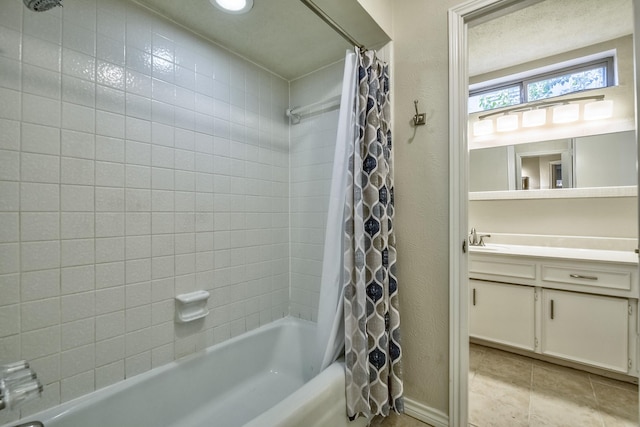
<point>613,217</point>
<point>381,11</point>
<point>422,195</point>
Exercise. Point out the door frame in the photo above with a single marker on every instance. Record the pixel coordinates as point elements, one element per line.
<point>458,19</point>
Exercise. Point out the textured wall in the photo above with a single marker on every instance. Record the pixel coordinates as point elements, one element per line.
<point>610,217</point>
<point>136,162</point>
<point>422,195</point>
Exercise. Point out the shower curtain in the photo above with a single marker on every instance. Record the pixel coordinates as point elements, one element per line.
<point>365,291</point>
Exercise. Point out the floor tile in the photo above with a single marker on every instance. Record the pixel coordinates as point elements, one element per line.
<point>476,354</point>
<point>564,384</point>
<point>516,395</point>
<point>552,411</point>
<point>509,367</point>
<point>614,383</point>
<point>487,411</point>
<point>511,390</point>
<point>617,402</point>
<point>397,420</point>
<point>613,421</point>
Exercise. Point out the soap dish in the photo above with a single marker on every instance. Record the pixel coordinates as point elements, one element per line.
<point>191,306</point>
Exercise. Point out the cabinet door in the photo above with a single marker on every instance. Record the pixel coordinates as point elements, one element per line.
<point>502,313</point>
<point>590,329</point>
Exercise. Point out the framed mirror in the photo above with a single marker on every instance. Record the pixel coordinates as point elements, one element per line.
<point>606,161</point>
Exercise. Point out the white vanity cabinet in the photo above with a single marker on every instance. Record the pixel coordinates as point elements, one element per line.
<point>586,328</point>
<point>502,313</point>
<point>576,305</point>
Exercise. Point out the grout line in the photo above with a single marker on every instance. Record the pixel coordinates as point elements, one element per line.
<point>595,397</point>
<point>531,394</point>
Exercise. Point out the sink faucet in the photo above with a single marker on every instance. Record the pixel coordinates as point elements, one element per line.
<point>476,239</point>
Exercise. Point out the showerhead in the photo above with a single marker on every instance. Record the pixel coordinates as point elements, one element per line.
<point>41,5</point>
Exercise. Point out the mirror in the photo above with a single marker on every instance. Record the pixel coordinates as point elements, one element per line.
<point>607,160</point>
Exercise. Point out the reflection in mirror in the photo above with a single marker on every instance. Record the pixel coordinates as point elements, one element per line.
<point>607,160</point>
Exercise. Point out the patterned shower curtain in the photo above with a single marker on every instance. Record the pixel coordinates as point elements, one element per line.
<point>372,319</point>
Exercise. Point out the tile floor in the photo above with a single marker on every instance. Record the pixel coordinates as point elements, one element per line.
<point>509,390</point>
<point>397,420</point>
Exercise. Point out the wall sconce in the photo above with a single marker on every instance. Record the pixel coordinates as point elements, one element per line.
<point>483,127</point>
<point>507,123</point>
<point>535,114</point>
<point>598,110</point>
<point>566,113</point>
<point>533,118</point>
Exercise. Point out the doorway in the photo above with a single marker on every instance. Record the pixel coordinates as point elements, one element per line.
<point>459,18</point>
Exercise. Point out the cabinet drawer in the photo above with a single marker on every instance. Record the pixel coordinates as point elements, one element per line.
<point>589,277</point>
<point>504,269</point>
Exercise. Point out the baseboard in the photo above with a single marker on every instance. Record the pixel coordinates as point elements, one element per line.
<point>425,413</point>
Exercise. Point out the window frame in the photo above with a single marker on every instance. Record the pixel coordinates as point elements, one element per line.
<point>607,62</point>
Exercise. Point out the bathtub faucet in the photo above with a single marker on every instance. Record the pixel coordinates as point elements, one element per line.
<point>18,385</point>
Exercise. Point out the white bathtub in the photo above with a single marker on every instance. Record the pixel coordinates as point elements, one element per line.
<point>259,379</point>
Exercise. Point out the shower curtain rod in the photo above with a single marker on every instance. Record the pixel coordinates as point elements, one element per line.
<point>330,22</point>
<point>296,112</point>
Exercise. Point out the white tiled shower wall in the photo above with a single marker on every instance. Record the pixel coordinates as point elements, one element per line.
<point>137,162</point>
<point>313,143</point>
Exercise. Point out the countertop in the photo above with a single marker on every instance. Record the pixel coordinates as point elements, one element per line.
<point>626,257</point>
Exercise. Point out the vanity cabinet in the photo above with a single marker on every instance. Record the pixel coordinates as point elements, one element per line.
<point>590,329</point>
<point>582,310</point>
<point>502,313</point>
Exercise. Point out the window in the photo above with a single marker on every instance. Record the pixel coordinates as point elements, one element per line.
<point>586,76</point>
<point>505,96</point>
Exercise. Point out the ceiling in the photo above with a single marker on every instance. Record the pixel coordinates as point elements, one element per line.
<point>544,29</point>
<point>283,36</point>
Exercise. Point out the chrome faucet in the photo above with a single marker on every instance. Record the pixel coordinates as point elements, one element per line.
<point>18,385</point>
<point>476,239</point>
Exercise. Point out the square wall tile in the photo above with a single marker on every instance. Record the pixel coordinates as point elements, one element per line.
<point>110,300</point>
<point>40,139</point>
<point>77,198</point>
<point>79,91</point>
<point>110,274</point>
<point>77,225</point>
<point>110,149</point>
<point>41,53</point>
<point>79,65</point>
<point>77,279</point>
<point>9,228</point>
<point>39,197</point>
<point>40,81</point>
<point>78,144</point>
<point>40,314</point>
<point>9,134</point>
<point>36,168</point>
<point>78,117</point>
<point>77,334</point>
<point>77,252</point>
<point>110,351</point>
<point>40,110</point>
<point>9,320</point>
<point>39,226</point>
<point>110,249</point>
<point>40,255</point>
<point>77,306</point>
<point>11,106</point>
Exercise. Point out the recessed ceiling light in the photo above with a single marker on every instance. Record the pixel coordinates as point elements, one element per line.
<point>233,6</point>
